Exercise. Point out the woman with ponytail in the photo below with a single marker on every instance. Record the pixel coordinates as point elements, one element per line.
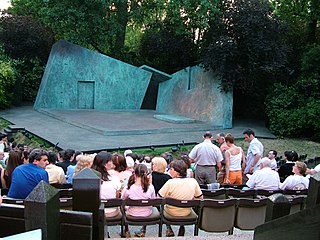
<point>139,187</point>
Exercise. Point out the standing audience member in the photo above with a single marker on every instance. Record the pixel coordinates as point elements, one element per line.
<point>255,151</point>
<point>285,170</point>
<point>14,161</point>
<point>182,188</point>
<point>265,178</point>
<point>26,176</point>
<point>235,161</point>
<point>272,156</point>
<point>68,157</point>
<point>139,187</point>
<point>207,156</point>
<point>220,139</point>
<point>56,174</point>
<point>297,181</point>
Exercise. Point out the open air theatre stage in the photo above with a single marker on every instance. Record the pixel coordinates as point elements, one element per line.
<point>92,130</point>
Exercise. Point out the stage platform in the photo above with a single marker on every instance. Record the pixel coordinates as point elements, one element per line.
<point>91,130</point>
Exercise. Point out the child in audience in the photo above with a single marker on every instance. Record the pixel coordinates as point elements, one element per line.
<point>139,187</point>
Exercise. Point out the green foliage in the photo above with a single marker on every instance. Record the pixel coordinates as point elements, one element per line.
<point>245,48</point>
<point>294,110</point>
<point>23,37</point>
<point>7,80</point>
<point>167,52</point>
<point>311,61</point>
<point>29,74</point>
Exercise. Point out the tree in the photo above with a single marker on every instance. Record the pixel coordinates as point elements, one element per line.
<point>23,37</point>
<point>302,18</point>
<point>302,12</point>
<point>7,79</point>
<point>246,50</point>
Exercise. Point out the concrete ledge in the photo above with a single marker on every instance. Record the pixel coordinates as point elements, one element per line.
<point>174,118</point>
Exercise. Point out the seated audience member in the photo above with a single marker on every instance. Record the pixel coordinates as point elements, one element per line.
<point>83,161</point>
<point>159,177</point>
<point>56,174</point>
<point>120,168</point>
<point>26,176</point>
<point>110,185</point>
<point>139,187</point>
<point>313,171</point>
<point>2,160</point>
<point>14,161</point>
<point>235,161</point>
<point>272,156</point>
<point>285,170</point>
<point>265,178</point>
<point>182,188</point>
<point>25,156</point>
<point>297,181</point>
<point>187,161</point>
<point>130,164</point>
<point>4,144</point>
<point>68,157</point>
<point>71,168</point>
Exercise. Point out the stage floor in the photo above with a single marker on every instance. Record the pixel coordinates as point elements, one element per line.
<point>90,130</point>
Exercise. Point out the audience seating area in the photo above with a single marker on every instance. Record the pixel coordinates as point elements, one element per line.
<point>221,210</point>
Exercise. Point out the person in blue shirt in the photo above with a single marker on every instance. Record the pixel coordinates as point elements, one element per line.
<point>27,176</point>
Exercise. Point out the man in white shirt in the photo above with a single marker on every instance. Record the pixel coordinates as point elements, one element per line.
<point>255,151</point>
<point>207,156</point>
<point>265,178</point>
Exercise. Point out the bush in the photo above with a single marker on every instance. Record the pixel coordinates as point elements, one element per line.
<point>294,111</point>
<point>30,72</point>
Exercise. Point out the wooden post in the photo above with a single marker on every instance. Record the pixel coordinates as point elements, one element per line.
<point>313,197</point>
<point>278,206</point>
<point>86,197</point>
<point>42,210</point>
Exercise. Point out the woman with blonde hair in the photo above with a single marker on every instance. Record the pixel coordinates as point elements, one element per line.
<point>235,161</point>
<point>297,181</point>
<point>84,161</point>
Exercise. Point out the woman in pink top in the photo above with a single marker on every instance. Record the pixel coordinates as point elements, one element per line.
<point>139,187</point>
<point>120,169</point>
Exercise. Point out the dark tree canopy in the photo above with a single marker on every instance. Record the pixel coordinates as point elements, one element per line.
<point>23,37</point>
<point>167,52</point>
<point>245,46</point>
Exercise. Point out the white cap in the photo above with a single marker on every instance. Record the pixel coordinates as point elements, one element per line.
<point>126,152</point>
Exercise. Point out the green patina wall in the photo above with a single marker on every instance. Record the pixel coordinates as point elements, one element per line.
<point>77,78</point>
<point>195,93</point>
